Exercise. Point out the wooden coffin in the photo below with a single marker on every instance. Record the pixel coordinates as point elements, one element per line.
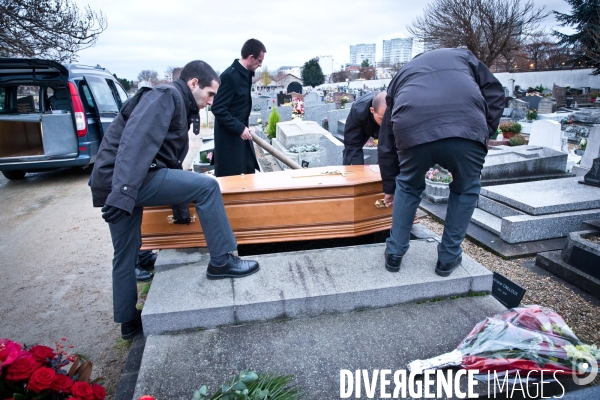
<point>291,205</point>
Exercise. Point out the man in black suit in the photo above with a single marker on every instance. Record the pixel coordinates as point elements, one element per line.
<point>362,123</point>
<point>234,149</point>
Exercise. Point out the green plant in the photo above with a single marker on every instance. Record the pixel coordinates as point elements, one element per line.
<point>510,126</point>
<point>517,140</point>
<point>582,144</point>
<point>206,157</point>
<point>540,88</point>
<point>274,118</point>
<point>594,94</point>
<point>531,115</point>
<point>248,385</point>
<point>326,124</point>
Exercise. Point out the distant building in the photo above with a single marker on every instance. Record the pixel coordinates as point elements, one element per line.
<point>361,52</point>
<point>289,70</point>
<point>326,64</point>
<point>401,50</point>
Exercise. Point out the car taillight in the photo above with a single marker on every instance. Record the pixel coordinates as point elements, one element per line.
<point>80,120</point>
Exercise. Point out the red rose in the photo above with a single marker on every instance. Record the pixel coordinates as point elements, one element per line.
<point>62,383</point>
<point>9,351</point>
<point>146,397</point>
<point>83,390</point>
<point>22,367</point>
<point>99,392</point>
<point>41,354</point>
<point>41,379</point>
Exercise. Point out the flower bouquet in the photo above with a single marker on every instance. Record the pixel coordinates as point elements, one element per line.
<point>525,339</point>
<point>37,373</point>
<point>297,109</point>
<point>206,157</point>
<point>344,100</point>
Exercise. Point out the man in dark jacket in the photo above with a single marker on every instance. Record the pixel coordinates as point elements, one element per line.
<point>234,149</point>
<point>442,106</point>
<point>362,123</point>
<point>139,164</point>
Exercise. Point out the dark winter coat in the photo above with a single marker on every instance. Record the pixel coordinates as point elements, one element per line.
<point>439,94</point>
<point>150,133</point>
<point>360,126</point>
<point>231,108</point>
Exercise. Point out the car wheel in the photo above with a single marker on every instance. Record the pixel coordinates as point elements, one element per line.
<point>14,175</point>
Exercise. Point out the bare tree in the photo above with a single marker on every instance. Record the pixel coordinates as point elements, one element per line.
<point>488,28</point>
<point>53,29</point>
<point>535,48</point>
<point>149,76</point>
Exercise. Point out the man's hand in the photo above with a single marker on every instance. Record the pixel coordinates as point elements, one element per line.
<point>246,134</point>
<point>388,199</point>
<point>113,214</point>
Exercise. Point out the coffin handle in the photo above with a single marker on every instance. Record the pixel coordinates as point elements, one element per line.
<point>171,220</point>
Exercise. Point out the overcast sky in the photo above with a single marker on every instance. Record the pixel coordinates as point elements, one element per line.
<point>155,35</point>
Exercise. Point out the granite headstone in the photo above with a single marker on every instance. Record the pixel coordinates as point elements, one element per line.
<point>546,106</point>
<point>593,176</point>
<point>546,133</point>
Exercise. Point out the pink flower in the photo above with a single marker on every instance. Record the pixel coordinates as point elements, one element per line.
<point>9,351</point>
<point>209,156</point>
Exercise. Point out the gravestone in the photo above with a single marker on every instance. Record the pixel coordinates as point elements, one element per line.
<point>293,134</point>
<point>507,112</point>
<point>294,87</point>
<point>592,151</point>
<point>334,150</point>
<point>317,111</point>
<point>285,114</point>
<point>546,106</point>
<point>592,178</point>
<point>283,98</point>
<point>333,117</point>
<point>519,108</point>
<point>546,133</point>
<point>311,97</point>
<point>532,101</point>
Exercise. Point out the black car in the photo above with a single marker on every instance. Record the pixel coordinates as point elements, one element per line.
<point>53,115</point>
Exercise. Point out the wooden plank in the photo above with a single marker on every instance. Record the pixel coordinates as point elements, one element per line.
<point>316,203</point>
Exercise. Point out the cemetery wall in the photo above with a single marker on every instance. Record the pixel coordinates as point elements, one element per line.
<point>573,78</point>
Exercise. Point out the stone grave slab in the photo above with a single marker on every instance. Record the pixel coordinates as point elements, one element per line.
<point>533,101</point>
<point>299,133</point>
<point>507,164</point>
<point>552,262</point>
<point>546,133</point>
<point>312,349</point>
<point>303,284</point>
<point>519,108</point>
<point>582,252</point>
<point>546,197</point>
<point>254,117</point>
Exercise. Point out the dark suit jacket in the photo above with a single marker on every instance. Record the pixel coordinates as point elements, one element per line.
<point>360,126</point>
<point>231,108</point>
<point>440,94</point>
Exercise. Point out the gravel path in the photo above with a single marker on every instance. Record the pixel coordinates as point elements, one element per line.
<point>579,310</point>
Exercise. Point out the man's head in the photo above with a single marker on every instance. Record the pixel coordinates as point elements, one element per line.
<point>378,107</point>
<point>202,80</point>
<point>253,54</point>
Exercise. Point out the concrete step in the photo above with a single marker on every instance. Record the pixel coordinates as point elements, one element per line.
<point>302,284</point>
<point>496,208</point>
<point>487,221</point>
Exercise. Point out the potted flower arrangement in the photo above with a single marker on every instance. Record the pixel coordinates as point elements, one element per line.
<point>297,109</point>
<point>344,100</point>
<point>531,115</point>
<point>437,186</point>
<point>593,95</point>
<point>509,128</point>
<point>38,372</point>
<point>205,161</point>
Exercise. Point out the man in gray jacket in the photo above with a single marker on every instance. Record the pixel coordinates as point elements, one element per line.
<point>139,164</point>
<point>442,106</point>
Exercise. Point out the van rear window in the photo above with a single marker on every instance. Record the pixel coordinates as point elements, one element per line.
<point>2,99</point>
<point>102,95</point>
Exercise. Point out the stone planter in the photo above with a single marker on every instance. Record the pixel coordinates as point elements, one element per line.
<point>436,192</point>
<point>203,167</point>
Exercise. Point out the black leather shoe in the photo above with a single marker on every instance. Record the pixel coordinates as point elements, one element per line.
<point>147,259</point>
<point>392,262</point>
<point>443,269</point>
<point>142,275</point>
<point>234,268</point>
<point>132,328</point>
